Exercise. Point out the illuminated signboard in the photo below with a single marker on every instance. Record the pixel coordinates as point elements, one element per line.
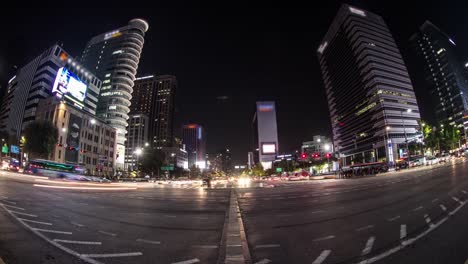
<point>66,83</point>
<point>265,108</point>
<point>268,148</point>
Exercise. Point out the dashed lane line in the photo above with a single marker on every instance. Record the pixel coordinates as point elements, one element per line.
<point>148,241</point>
<point>77,242</point>
<point>368,248</point>
<point>113,255</point>
<point>52,231</point>
<point>417,208</point>
<point>190,261</point>
<point>205,246</point>
<point>456,199</point>
<point>443,207</point>
<point>36,222</point>
<point>11,206</point>
<point>20,213</point>
<point>465,192</point>
<point>76,224</point>
<point>323,238</point>
<point>435,200</point>
<point>365,228</point>
<point>107,233</point>
<point>393,218</point>
<point>6,201</point>
<point>402,231</point>
<point>267,246</point>
<point>321,258</point>
<point>263,261</point>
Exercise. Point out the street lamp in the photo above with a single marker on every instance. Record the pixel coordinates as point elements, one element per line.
<point>64,129</point>
<point>146,144</point>
<point>93,121</point>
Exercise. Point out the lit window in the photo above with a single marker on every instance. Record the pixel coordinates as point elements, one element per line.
<point>106,81</point>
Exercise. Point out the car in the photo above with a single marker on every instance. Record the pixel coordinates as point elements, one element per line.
<point>432,160</point>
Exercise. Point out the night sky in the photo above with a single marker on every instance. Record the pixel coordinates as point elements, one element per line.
<point>226,58</point>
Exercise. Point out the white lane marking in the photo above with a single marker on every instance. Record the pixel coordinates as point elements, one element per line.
<point>76,224</point>
<point>190,261</point>
<point>465,192</point>
<point>6,201</point>
<point>148,241</point>
<point>171,216</point>
<point>435,200</point>
<point>268,246</point>
<point>393,218</point>
<point>77,242</point>
<point>458,208</point>
<point>114,255</point>
<point>237,245</point>
<point>107,233</point>
<point>4,197</point>
<point>52,231</point>
<point>365,227</point>
<point>443,207</point>
<point>263,261</point>
<point>205,246</point>
<point>428,219</point>
<point>417,208</point>
<point>57,245</point>
<point>20,213</point>
<point>321,258</point>
<point>19,208</point>
<point>323,238</point>
<point>32,221</point>
<point>369,244</point>
<point>402,231</point>
<point>456,199</point>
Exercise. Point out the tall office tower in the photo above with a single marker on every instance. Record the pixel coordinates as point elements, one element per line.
<point>163,111</point>
<point>265,134</point>
<point>373,109</point>
<point>155,97</point>
<point>53,73</point>
<point>194,138</point>
<point>444,73</point>
<point>113,56</point>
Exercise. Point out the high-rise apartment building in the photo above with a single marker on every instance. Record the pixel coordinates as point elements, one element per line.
<point>444,73</point>
<point>114,56</point>
<point>194,139</point>
<point>373,108</point>
<point>53,73</point>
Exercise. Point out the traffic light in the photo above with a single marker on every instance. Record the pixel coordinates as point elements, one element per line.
<point>304,155</point>
<point>328,155</point>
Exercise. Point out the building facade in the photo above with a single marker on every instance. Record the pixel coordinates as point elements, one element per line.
<point>176,156</point>
<point>53,73</point>
<point>444,73</point>
<point>373,108</point>
<point>82,138</point>
<point>320,145</point>
<point>222,161</point>
<point>114,56</point>
<point>265,134</point>
<point>137,138</point>
<point>194,139</point>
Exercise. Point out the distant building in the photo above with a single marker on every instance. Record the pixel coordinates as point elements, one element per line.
<point>373,108</point>
<point>53,73</point>
<point>194,139</point>
<point>320,145</point>
<point>137,138</point>
<point>83,139</point>
<point>176,156</point>
<point>222,161</point>
<point>265,135</point>
<point>250,160</point>
<point>114,56</point>
<point>444,73</point>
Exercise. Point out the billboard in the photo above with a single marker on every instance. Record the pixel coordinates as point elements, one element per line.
<point>268,148</point>
<point>67,83</point>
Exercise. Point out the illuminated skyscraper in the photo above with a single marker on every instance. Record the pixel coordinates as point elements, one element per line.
<point>194,139</point>
<point>373,108</point>
<point>265,134</point>
<point>114,56</point>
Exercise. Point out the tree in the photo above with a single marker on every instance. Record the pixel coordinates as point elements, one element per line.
<point>257,170</point>
<point>40,139</point>
<point>151,160</point>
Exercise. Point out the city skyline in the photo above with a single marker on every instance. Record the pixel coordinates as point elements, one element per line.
<point>249,79</point>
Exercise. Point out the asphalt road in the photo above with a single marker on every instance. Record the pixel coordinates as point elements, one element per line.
<point>416,216</point>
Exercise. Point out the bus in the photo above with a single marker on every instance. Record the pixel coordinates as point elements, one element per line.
<point>54,169</point>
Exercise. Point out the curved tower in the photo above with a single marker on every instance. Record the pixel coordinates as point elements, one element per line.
<point>113,57</point>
